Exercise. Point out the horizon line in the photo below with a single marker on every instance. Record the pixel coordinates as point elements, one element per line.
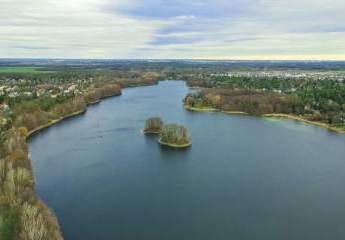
<point>176,59</point>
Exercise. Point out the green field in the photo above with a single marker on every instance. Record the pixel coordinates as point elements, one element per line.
<point>22,70</point>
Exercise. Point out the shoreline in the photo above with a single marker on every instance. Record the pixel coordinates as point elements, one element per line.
<point>174,145</point>
<point>204,109</point>
<point>53,122</point>
<point>46,210</point>
<point>306,121</point>
<point>150,132</point>
<point>74,114</point>
<point>272,115</point>
<point>211,109</point>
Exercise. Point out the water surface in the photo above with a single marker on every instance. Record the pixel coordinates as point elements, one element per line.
<point>243,178</point>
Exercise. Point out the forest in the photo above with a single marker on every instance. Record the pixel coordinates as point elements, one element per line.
<point>23,215</point>
<point>32,100</point>
<point>316,100</point>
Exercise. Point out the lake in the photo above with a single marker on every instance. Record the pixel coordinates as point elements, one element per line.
<point>243,178</point>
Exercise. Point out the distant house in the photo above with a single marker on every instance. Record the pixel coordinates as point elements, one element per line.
<point>71,88</point>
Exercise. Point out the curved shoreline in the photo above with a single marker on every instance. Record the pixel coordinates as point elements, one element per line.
<point>175,145</point>
<point>45,208</point>
<point>150,131</point>
<point>204,109</point>
<point>211,109</point>
<point>271,115</point>
<point>306,121</point>
<point>285,116</point>
<point>53,122</point>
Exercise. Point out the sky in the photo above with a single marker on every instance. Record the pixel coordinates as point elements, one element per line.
<point>174,29</point>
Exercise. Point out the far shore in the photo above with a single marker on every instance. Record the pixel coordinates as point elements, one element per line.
<point>271,115</point>
<point>55,121</point>
<point>203,109</point>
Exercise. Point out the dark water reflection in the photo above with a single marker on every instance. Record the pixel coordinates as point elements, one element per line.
<point>243,178</point>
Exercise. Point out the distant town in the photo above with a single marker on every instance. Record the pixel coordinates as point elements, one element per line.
<point>319,87</point>
<point>35,94</point>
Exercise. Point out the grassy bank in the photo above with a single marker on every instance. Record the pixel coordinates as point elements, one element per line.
<point>306,121</point>
<point>211,109</point>
<point>23,70</point>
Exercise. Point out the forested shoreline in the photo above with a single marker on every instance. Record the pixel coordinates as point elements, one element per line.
<point>310,105</point>
<point>23,215</point>
<point>35,100</point>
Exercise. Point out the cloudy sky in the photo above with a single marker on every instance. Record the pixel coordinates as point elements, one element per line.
<point>193,29</point>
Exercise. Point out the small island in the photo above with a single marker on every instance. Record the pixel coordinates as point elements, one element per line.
<point>174,135</point>
<point>153,125</point>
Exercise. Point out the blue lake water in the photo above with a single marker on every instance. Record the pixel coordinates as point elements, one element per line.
<point>243,178</point>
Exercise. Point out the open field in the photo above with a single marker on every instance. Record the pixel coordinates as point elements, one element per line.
<point>22,70</point>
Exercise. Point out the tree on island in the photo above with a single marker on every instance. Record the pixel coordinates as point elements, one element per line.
<point>153,125</point>
<point>174,135</point>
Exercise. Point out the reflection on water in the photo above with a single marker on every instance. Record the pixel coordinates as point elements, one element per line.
<point>243,178</point>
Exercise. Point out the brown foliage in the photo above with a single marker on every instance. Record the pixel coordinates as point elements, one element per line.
<point>153,125</point>
<point>102,92</point>
<point>252,102</point>
<point>75,105</point>
<point>36,221</point>
<point>174,134</point>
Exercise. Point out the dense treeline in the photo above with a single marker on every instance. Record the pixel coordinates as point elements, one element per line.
<point>36,111</point>
<point>32,114</point>
<point>252,102</point>
<point>96,94</point>
<point>22,215</point>
<point>317,100</point>
<point>70,75</point>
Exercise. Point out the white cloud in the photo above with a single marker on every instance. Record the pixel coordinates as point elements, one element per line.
<point>88,29</point>
<point>69,28</point>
